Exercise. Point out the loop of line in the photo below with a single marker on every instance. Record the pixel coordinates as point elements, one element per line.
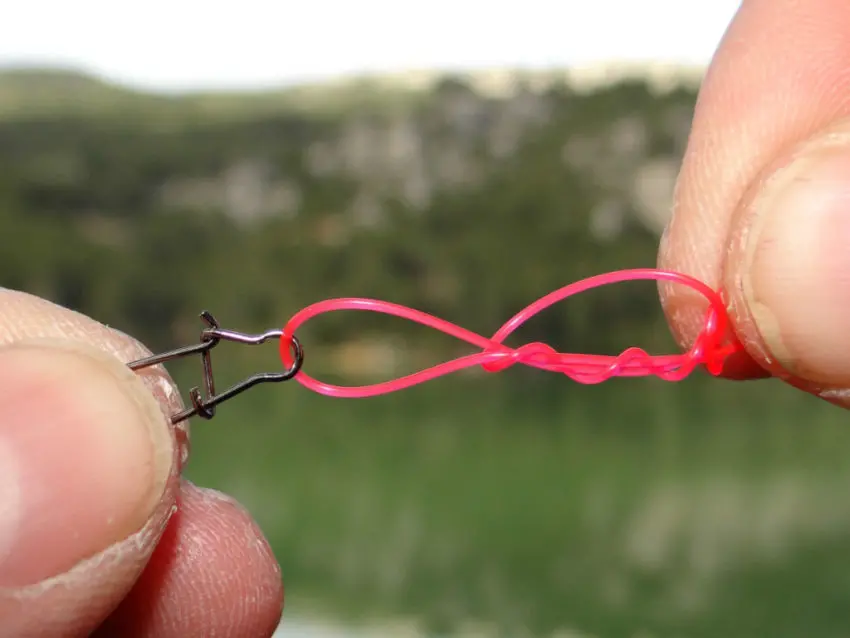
<point>709,349</point>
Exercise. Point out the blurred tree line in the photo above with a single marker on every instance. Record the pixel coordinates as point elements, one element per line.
<point>464,205</point>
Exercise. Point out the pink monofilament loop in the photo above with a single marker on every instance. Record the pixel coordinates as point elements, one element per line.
<point>494,356</point>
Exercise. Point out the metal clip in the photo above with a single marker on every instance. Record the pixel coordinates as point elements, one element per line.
<point>204,406</point>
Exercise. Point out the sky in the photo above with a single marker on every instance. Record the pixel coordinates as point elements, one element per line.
<point>191,44</point>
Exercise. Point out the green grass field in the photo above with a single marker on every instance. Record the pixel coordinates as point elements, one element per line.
<point>634,508</point>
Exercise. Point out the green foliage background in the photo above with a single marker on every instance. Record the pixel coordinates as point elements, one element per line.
<point>516,503</point>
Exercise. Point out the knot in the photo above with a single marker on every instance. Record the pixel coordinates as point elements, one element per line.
<point>714,345</point>
<point>538,355</point>
<point>493,356</point>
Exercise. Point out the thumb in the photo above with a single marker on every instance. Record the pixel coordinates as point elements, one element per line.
<point>85,459</point>
<point>789,270</point>
<point>760,203</point>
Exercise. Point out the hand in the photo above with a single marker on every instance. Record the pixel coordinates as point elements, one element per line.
<point>763,202</point>
<point>90,537</point>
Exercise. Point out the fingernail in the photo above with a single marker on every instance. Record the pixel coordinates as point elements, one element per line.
<point>85,455</point>
<point>797,266</point>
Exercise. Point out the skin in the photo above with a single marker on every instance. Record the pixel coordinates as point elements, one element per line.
<point>114,542</point>
<point>117,544</point>
<point>766,153</point>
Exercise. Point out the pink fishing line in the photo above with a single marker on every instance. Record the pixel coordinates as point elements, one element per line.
<point>710,349</point>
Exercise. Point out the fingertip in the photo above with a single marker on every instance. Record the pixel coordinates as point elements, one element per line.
<point>213,574</point>
<point>755,103</point>
<point>686,312</point>
<point>86,449</point>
